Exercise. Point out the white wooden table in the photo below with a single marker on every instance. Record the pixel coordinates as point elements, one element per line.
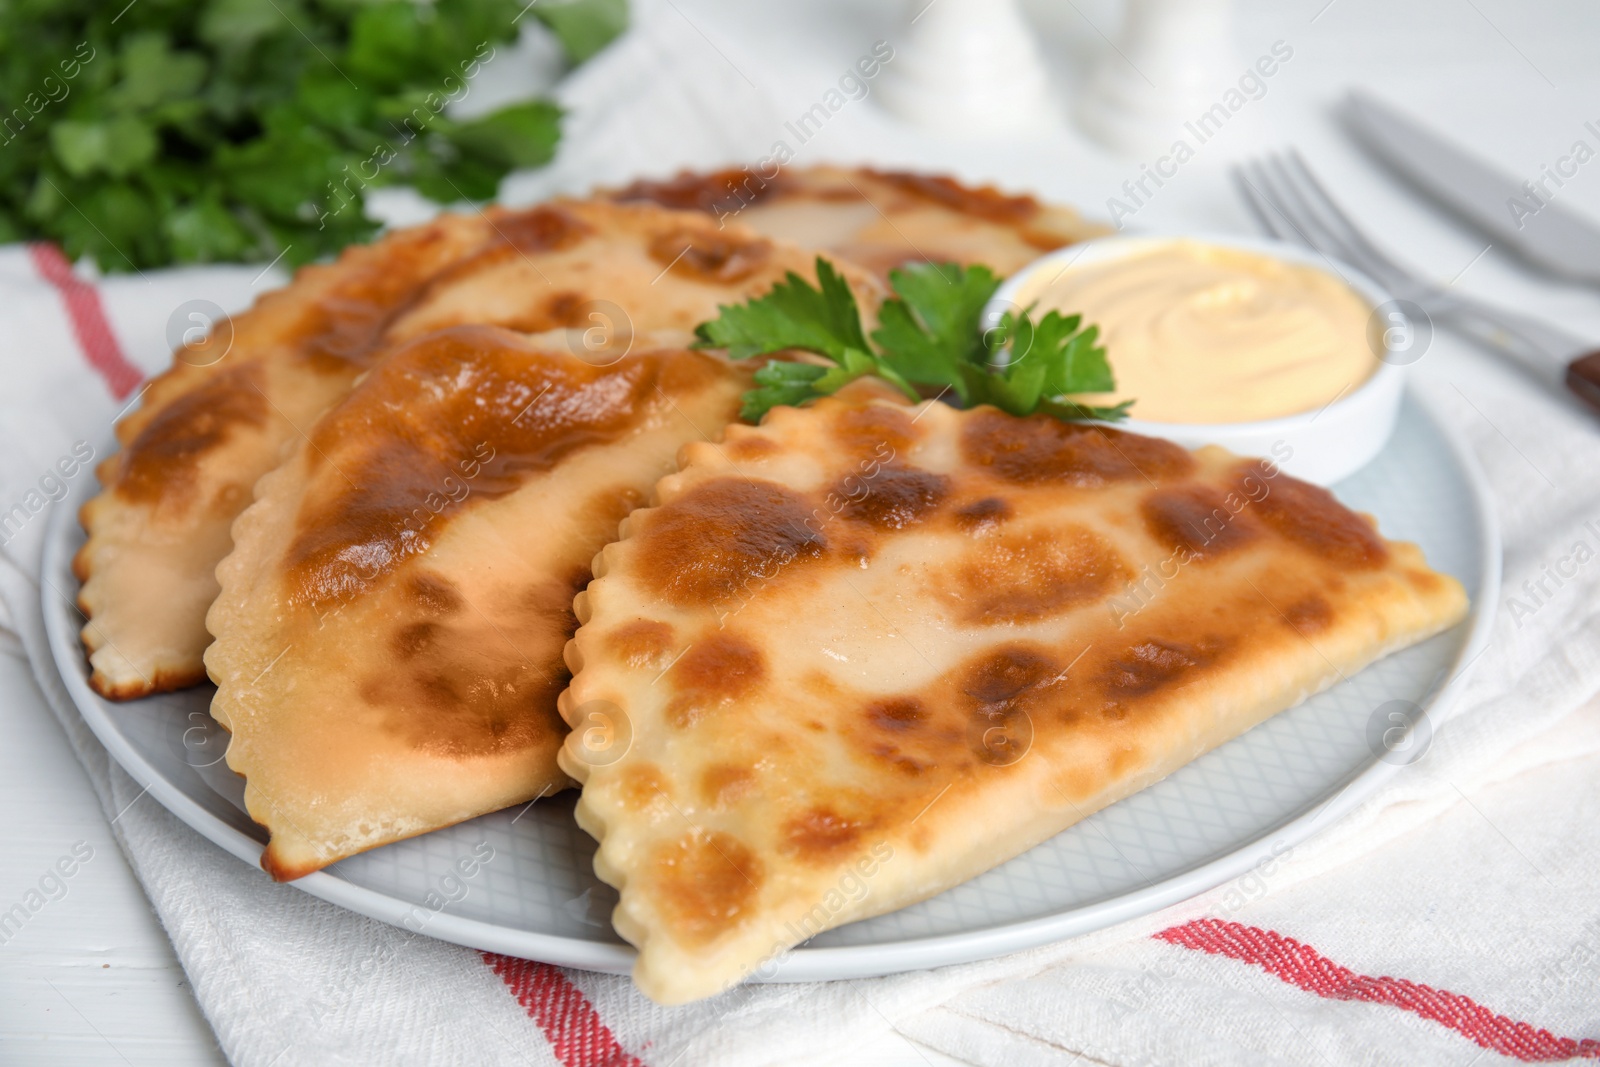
<point>91,978</point>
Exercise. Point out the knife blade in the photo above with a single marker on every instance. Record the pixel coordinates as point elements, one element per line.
<point>1522,215</point>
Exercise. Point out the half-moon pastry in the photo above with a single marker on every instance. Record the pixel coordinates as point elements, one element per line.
<point>391,620</point>
<point>876,218</point>
<point>205,432</point>
<point>865,652</point>
<point>193,450</point>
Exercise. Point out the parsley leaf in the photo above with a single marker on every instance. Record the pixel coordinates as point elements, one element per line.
<point>794,315</point>
<point>584,26</point>
<point>781,384</point>
<point>929,335</point>
<point>1033,366</point>
<point>520,135</point>
<point>930,331</point>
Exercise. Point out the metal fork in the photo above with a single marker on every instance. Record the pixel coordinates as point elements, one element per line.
<point>1290,203</point>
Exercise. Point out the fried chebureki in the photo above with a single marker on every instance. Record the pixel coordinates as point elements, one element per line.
<point>391,620</point>
<point>864,632</point>
<point>875,218</point>
<point>193,450</point>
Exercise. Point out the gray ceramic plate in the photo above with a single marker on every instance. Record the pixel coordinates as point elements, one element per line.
<point>538,897</point>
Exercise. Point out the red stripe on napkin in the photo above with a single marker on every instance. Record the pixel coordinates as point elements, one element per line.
<point>1301,965</point>
<point>569,1021</point>
<point>88,318</point>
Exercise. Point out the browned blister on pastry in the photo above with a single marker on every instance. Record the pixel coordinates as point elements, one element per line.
<point>866,651</point>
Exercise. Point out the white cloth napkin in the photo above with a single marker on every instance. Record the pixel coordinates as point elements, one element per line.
<point>1448,918</point>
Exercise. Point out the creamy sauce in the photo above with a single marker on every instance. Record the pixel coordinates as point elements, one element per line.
<point>1203,334</point>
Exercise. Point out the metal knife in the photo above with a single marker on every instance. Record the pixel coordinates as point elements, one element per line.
<point>1525,215</point>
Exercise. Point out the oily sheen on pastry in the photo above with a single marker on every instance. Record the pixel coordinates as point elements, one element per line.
<point>866,643</point>
<point>391,620</point>
<point>192,451</point>
<point>878,219</point>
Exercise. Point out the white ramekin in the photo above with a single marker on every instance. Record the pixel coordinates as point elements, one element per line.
<point>1320,446</point>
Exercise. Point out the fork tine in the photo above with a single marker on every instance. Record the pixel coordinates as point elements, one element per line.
<point>1270,203</point>
<point>1293,224</point>
<point>1260,208</point>
<point>1291,203</point>
<point>1336,238</point>
<point>1307,219</point>
<point>1336,218</point>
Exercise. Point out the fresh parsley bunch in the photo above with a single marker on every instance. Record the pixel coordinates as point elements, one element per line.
<point>177,131</point>
<point>929,335</point>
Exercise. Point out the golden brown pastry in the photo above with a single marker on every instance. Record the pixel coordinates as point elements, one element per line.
<point>876,218</point>
<point>391,619</point>
<point>873,644</point>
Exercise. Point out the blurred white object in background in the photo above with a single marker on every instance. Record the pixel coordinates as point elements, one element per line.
<point>968,65</point>
<point>1167,66</point>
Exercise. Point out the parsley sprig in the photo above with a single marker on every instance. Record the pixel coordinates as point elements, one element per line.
<point>928,335</point>
<point>186,131</point>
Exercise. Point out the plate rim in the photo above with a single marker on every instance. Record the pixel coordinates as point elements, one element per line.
<point>802,964</point>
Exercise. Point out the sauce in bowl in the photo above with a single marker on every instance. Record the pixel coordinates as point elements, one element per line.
<point>1199,333</point>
